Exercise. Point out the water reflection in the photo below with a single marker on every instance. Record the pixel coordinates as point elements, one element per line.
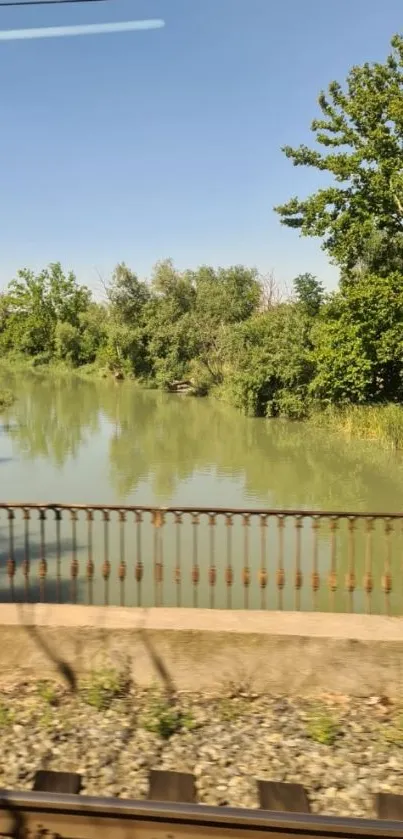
<point>166,441</point>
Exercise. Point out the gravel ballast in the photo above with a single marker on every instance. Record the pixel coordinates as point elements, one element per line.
<point>342,749</point>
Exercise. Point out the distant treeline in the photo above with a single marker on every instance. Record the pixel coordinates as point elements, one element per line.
<point>227,331</point>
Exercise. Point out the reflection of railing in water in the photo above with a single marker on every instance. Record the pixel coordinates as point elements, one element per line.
<point>227,558</point>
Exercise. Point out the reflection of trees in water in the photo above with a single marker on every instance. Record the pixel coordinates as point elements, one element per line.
<point>53,416</point>
<point>164,440</point>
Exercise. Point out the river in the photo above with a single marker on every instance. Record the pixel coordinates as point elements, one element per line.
<point>67,439</point>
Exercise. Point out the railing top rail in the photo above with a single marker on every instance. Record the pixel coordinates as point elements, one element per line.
<point>107,816</point>
<point>233,511</point>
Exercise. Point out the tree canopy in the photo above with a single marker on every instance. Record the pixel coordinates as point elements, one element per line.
<point>359,214</point>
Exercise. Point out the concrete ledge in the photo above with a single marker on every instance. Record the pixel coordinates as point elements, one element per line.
<point>278,652</point>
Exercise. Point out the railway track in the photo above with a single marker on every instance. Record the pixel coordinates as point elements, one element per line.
<point>39,815</point>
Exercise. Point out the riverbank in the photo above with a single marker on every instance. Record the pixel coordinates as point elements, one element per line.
<point>341,749</point>
<point>31,365</point>
<point>378,423</point>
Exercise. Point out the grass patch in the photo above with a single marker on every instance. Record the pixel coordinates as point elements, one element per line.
<point>7,716</point>
<point>47,692</point>
<point>42,365</point>
<point>46,719</point>
<point>231,708</point>
<point>322,727</point>
<point>382,423</point>
<point>104,687</point>
<point>393,733</point>
<point>165,718</point>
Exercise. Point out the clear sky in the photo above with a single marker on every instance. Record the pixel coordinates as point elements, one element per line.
<point>143,145</point>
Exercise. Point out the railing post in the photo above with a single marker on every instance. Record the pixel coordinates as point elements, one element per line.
<point>368,576</point>
<point>315,568</point>
<point>387,572</point>
<point>90,561</point>
<point>122,560</point>
<point>139,568</point>
<point>280,574</point>
<point>158,520</point>
<point>212,574</point>
<point>58,518</point>
<point>178,559</point>
<point>106,568</point>
<point>195,565</point>
<point>26,560</point>
<point>43,566</point>
<point>229,574</point>
<point>263,562</point>
<point>333,561</point>
<point>350,576</point>
<point>246,570</point>
<point>74,561</point>
<point>298,572</point>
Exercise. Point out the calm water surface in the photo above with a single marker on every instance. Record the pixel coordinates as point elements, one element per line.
<point>93,442</point>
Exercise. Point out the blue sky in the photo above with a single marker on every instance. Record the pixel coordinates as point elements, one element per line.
<point>144,145</point>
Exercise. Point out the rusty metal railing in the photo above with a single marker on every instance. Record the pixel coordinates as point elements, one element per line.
<point>209,557</point>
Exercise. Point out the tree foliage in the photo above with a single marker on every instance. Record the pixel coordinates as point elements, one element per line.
<point>361,129</point>
<point>359,343</point>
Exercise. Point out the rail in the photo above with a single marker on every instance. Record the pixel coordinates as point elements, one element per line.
<point>33,815</point>
<point>210,557</point>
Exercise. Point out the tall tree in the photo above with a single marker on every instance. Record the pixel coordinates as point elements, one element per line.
<point>309,293</point>
<point>362,131</point>
<point>35,303</point>
<point>358,343</point>
<point>127,294</point>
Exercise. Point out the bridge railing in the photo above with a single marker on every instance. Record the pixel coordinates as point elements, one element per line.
<point>202,557</point>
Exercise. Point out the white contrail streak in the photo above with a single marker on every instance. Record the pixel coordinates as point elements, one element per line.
<point>84,29</point>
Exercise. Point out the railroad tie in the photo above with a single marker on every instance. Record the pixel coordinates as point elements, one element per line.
<point>68,783</point>
<point>389,806</point>
<point>282,798</point>
<point>177,787</point>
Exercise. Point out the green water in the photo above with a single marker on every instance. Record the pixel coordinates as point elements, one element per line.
<point>93,442</point>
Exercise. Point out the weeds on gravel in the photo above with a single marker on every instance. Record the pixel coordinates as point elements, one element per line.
<point>165,718</point>
<point>7,716</point>
<point>393,733</point>
<point>322,727</point>
<point>47,692</point>
<point>103,687</point>
<point>232,708</point>
<point>46,720</point>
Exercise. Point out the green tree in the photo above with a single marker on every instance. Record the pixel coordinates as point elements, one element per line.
<point>35,303</point>
<point>172,285</point>
<point>93,332</point>
<point>269,364</point>
<point>127,294</point>
<point>362,131</point>
<point>170,341</point>
<point>309,293</point>
<point>67,342</point>
<point>358,343</point>
<point>224,297</point>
